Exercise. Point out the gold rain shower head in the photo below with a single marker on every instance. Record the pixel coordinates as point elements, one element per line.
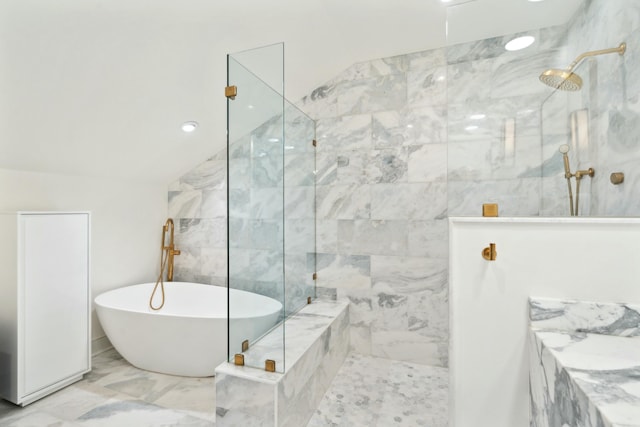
<point>562,79</point>
<point>568,80</point>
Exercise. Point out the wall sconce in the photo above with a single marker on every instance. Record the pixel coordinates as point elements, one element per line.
<point>579,127</point>
<point>509,139</point>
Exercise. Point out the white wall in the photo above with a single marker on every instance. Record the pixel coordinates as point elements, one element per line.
<point>126,221</point>
<point>578,258</point>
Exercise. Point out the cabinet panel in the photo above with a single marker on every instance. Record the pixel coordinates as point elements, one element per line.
<point>55,296</point>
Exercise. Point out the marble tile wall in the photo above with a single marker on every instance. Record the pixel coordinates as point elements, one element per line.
<point>403,143</point>
<point>271,205</point>
<point>198,206</point>
<point>494,132</point>
<point>610,96</point>
<point>381,200</point>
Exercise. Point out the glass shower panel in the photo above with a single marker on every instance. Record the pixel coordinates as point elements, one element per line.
<point>494,100</point>
<point>255,135</point>
<point>299,208</point>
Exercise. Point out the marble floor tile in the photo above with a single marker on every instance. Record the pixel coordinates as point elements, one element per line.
<point>375,392</point>
<point>355,395</point>
<point>35,419</point>
<point>74,401</point>
<point>115,393</point>
<point>193,396</point>
<point>143,385</point>
<point>137,413</point>
<point>367,392</point>
<point>415,395</point>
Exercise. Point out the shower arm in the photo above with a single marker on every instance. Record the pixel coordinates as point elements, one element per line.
<point>620,50</point>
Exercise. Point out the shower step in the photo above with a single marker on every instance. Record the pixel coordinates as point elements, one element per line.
<point>316,345</point>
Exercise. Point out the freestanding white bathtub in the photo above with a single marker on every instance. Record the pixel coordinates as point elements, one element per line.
<point>188,336</point>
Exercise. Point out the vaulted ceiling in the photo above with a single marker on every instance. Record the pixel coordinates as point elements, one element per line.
<point>100,87</point>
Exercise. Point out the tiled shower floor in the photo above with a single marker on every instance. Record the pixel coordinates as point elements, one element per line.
<point>373,392</point>
<point>367,391</point>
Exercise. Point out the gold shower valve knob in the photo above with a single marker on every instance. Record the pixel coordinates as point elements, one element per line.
<point>617,178</point>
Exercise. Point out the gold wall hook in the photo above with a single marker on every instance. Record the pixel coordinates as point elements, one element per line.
<point>489,253</point>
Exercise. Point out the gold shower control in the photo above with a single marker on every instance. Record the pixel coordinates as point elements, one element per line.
<point>617,178</point>
<point>489,253</point>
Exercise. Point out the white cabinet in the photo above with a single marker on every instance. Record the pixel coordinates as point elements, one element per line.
<point>44,303</point>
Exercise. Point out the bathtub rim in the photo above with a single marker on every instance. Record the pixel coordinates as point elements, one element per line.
<point>223,315</point>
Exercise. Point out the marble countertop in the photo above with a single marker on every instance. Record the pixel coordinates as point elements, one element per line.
<point>605,368</point>
<point>584,363</point>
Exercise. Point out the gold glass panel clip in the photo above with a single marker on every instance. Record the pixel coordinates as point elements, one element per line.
<point>238,359</point>
<point>270,365</point>
<point>231,92</point>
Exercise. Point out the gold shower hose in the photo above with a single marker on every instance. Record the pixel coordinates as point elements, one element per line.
<point>164,255</point>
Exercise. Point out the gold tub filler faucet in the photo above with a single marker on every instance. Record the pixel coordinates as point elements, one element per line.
<point>167,252</point>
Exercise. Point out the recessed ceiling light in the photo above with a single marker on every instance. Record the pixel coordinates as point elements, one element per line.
<point>250,107</point>
<point>471,128</point>
<point>273,140</point>
<point>477,116</point>
<point>189,126</point>
<point>520,43</point>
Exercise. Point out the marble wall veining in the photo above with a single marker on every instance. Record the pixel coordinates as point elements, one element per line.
<point>494,132</point>
<point>583,363</point>
<point>198,206</point>
<point>272,209</point>
<point>607,139</point>
<point>271,213</point>
<point>405,142</point>
<point>381,197</point>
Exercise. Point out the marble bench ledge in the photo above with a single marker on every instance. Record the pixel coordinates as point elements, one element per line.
<point>316,345</point>
<point>584,364</point>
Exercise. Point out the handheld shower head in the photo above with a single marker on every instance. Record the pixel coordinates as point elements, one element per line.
<point>564,149</point>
